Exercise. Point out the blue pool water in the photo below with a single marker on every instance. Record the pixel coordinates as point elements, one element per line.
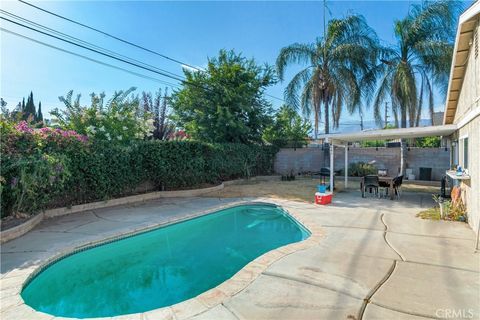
<point>160,267</point>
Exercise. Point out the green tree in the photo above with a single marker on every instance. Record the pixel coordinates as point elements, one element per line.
<point>420,59</point>
<point>29,111</point>
<point>225,103</point>
<point>39,117</point>
<point>288,129</point>
<point>22,107</point>
<point>337,70</point>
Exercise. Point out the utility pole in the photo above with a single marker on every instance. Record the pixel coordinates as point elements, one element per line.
<point>386,115</point>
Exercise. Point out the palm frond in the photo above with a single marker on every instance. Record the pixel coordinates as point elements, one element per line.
<point>293,87</point>
<point>295,53</point>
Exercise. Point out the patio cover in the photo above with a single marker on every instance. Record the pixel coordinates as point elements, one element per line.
<point>342,139</point>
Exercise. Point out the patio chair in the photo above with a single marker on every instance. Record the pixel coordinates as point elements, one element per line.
<point>397,185</point>
<point>370,183</point>
<point>384,187</point>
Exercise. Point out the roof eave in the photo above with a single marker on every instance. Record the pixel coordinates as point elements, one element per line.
<point>457,71</point>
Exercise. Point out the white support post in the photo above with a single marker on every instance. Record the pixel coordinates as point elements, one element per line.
<point>331,166</point>
<point>346,166</point>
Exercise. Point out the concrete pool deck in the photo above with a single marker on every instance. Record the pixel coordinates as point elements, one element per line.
<point>376,260</point>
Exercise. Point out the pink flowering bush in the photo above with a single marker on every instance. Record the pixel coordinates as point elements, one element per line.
<point>34,166</point>
<point>20,138</point>
<point>178,136</point>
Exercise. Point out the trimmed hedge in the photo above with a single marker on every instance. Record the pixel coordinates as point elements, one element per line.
<point>90,172</point>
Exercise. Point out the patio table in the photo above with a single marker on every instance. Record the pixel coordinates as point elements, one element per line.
<point>385,180</point>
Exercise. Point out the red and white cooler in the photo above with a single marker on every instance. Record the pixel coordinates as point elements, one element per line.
<point>323,198</point>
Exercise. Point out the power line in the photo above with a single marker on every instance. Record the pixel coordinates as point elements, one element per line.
<point>109,35</point>
<point>99,50</point>
<point>269,95</point>
<point>90,59</point>
<point>94,50</point>
<point>122,40</point>
<point>84,42</point>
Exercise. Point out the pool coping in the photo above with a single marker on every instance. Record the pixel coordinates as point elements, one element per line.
<point>185,309</point>
<point>20,230</point>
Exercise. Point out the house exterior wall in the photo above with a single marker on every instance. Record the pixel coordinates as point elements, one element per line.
<point>468,103</point>
<point>471,188</point>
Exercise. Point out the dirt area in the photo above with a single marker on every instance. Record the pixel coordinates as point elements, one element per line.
<point>12,221</point>
<point>301,189</point>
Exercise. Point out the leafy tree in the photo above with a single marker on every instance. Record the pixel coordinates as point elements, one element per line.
<point>164,127</point>
<point>119,120</point>
<point>12,116</point>
<point>288,129</point>
<point>225,103</point>
<point>337,70</point>
<point>420,59</point>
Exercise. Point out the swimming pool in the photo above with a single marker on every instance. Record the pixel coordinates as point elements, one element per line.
<point>160,267</point>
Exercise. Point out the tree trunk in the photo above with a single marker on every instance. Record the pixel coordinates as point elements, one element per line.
<point>403,147</point>
<point>403,123</point>
<point>327,129</point>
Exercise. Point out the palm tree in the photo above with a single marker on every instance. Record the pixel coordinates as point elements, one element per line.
<point>336,72</point>
<point>420,59</point>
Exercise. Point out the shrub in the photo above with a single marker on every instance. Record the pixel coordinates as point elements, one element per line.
<point>51,168</point>
<point>428,142</point>
<point>360,169</point>
<point>31,182</point>
<point>373,143</point>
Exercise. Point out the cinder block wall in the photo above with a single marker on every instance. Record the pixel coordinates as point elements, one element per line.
<point>312,159</point>
<point>299,160</point>
<point>437,159</point>
<point>383,158</point>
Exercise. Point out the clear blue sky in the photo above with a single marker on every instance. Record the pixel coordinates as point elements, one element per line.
<point>187,31</point>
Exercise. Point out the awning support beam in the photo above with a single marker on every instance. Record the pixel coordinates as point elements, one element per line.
<point>331,166</point>
<point>346,166</point>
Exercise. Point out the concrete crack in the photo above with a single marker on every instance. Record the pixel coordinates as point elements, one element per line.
<point>396,232</point>
<point>281,276</point>
<point>442,266</point>
<point>386,240</point>
<point>106,219</point>
<point>369,296</point>
<point>404,312</point>
<point>230,310</point>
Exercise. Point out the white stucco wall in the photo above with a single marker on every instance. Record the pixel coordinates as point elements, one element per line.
<point>468,104</point>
